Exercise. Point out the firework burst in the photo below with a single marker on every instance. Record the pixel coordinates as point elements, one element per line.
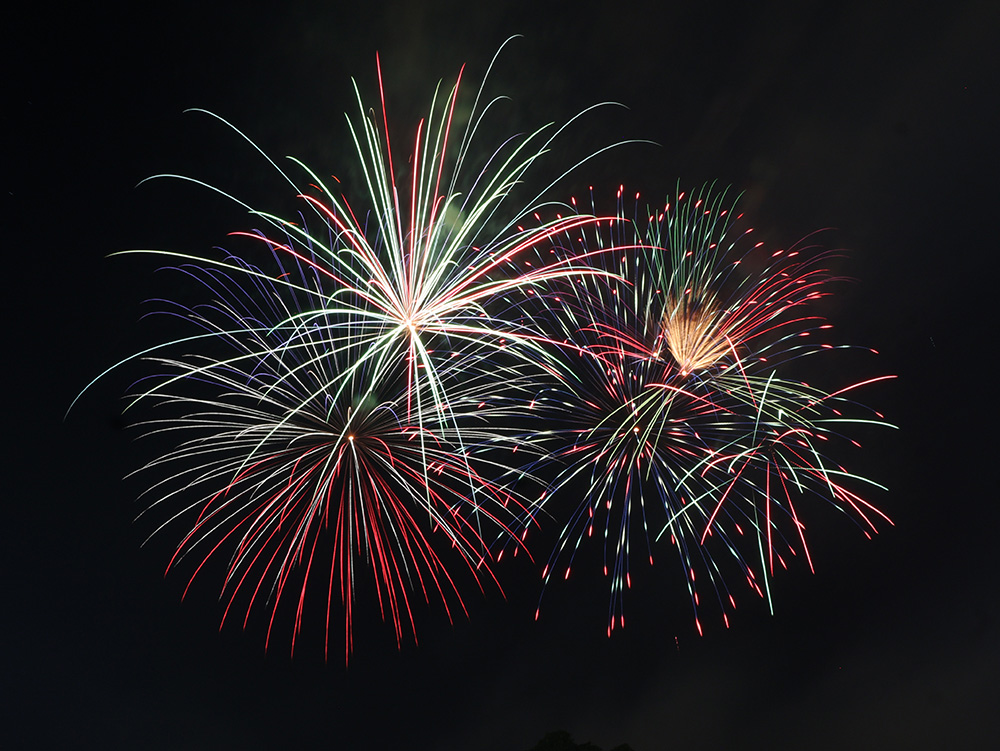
<point>675,423</point>
<point>349,395</point>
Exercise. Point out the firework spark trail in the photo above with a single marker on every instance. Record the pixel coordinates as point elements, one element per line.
<point>674,409</point>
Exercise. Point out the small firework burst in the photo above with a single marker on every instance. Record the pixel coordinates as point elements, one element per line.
<point>674,421</point>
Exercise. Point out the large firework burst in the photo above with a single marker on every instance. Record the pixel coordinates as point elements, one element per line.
<point>354,388</point>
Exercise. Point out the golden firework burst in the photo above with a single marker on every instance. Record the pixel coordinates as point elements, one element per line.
<point>693,334</point>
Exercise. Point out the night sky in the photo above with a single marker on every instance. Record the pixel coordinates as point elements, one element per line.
<point>878,126</point>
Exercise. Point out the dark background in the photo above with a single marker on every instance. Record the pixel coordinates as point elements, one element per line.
<point>875,121</point>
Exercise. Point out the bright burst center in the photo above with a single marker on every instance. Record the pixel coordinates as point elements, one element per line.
<point>693,336</point>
